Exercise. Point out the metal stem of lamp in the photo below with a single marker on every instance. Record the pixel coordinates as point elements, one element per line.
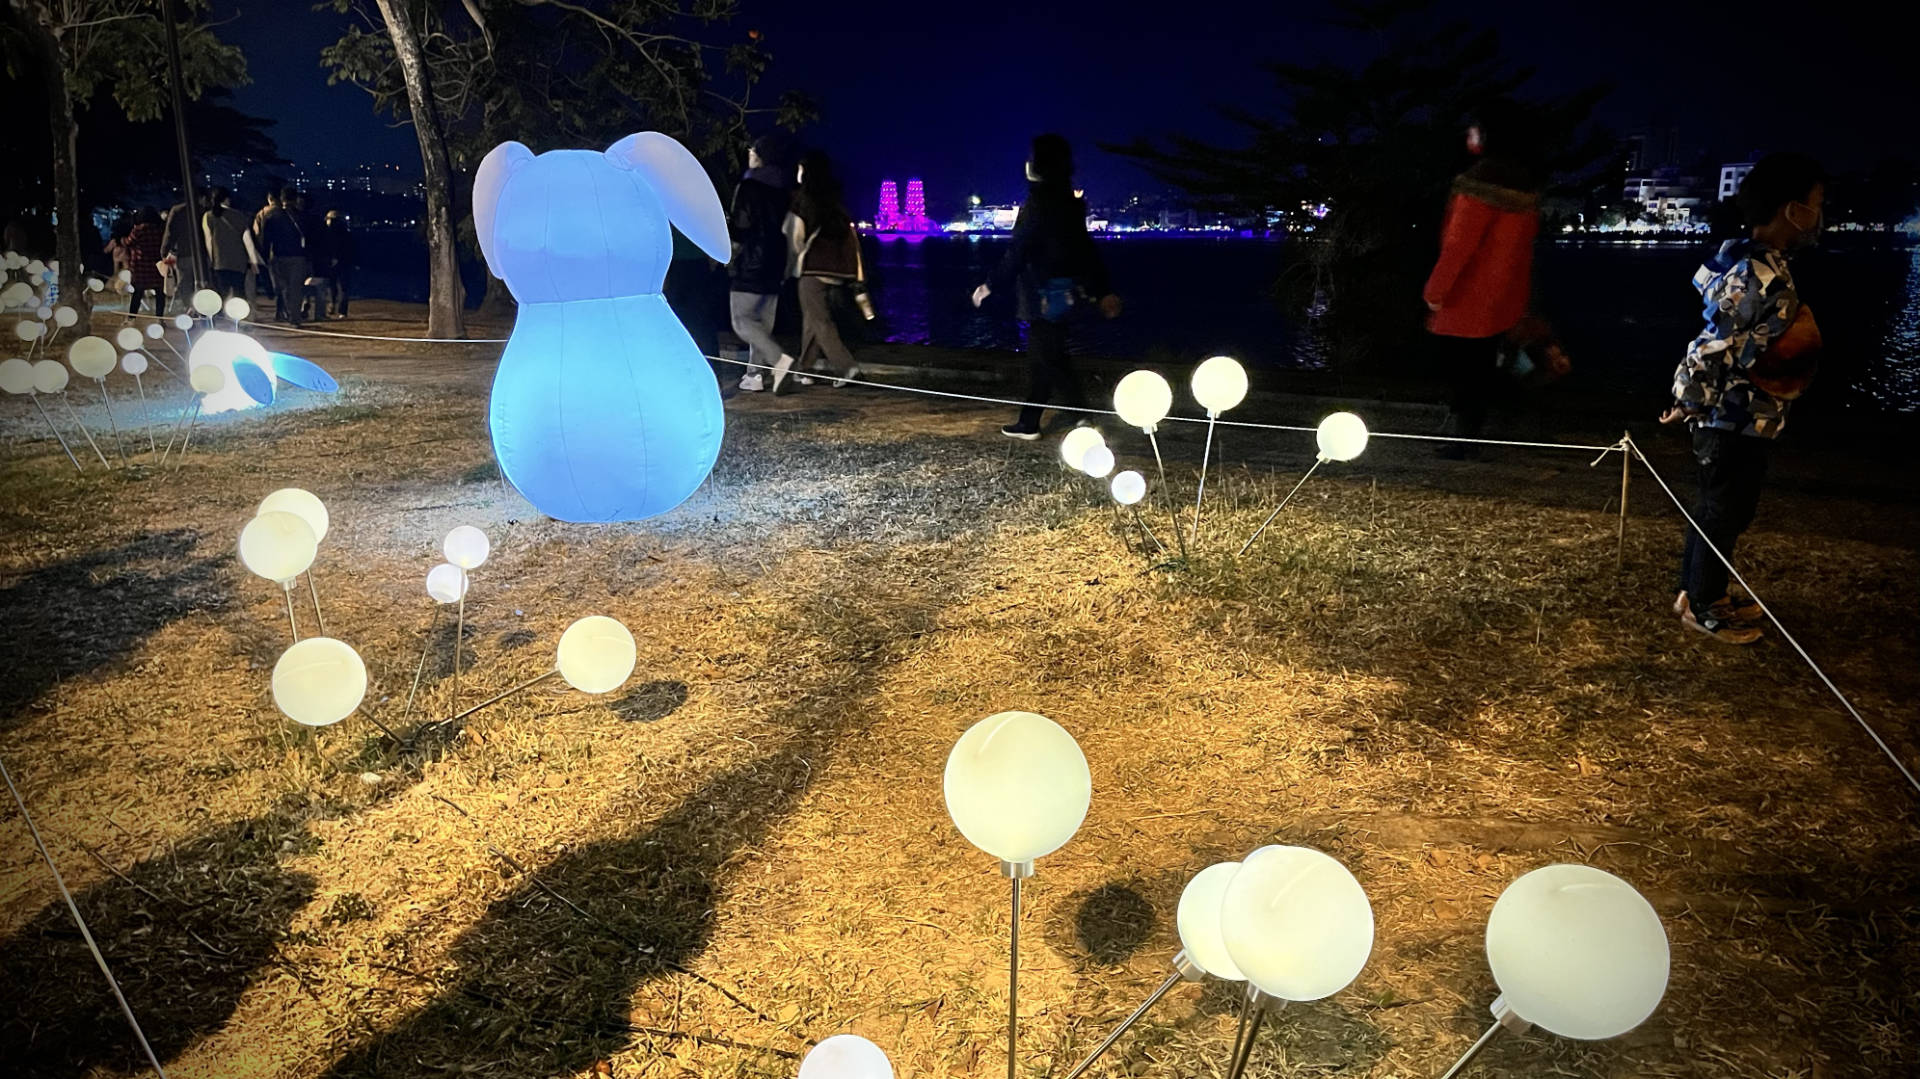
<point>1184,969</point>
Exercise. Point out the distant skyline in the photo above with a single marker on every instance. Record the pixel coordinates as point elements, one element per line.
<point>910,90</point>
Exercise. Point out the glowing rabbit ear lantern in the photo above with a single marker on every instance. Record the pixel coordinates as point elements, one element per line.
<point>244,364</point>
<point>603,408</point>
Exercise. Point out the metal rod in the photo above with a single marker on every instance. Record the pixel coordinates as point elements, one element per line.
<point>459,637</point>
<point>1166,496</point>
<point>174,432</point>
<point>1152,999</point>
<point>315,591</point>
<point>1142,521</point>
<point>495,699</point>
<point>68,405</point>
<point>87,934</point>
<point>1013,982</point>
<point>1473,1050</point>
<point>1244,1054</point>
<point>1626,462</point>
<point>287,589</point>
<point>56,432</point>
<point>1206,452</point>
<point>107,399</point>
<point>146,415</point>
<point>1281,506</point>
<point>426,646</point>
<point>188,441</point>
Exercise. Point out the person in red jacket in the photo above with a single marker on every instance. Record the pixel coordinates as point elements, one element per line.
<point>1481,284</point>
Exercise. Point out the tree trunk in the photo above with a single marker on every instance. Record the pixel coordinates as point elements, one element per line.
<point>66,177</point>
<point>446,298</point>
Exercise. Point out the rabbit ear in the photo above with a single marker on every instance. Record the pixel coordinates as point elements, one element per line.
<point>683,186</point>
<point>489,181</point>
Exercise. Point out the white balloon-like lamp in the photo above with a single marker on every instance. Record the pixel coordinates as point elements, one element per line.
<point>16,376</point>
<point>1129,487</point>
<point>64,316</point>
<point>19,376</point>
<point>207,302</point>
<point>237,308</point>
<point>278,545</point>
<point>95,358</point>
<point>1074,447</point>
<point>49,376</point>
<point>128,337</point>
<point>596,655</point>
<point>846,1056</point>
<point>1097,462</point>
<point>155,331</point>
<point>1219,383</point>
<point>1342,436</point>
<point>1143,399</point>
<point>466,547</point>
<point>445,583</point>
<point>308,507</point>
<point>319,682</point>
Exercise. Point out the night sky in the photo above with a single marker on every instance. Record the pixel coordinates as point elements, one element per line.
<point>953,92</point>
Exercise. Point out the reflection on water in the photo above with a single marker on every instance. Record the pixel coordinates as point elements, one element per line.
<point>1894,381</point>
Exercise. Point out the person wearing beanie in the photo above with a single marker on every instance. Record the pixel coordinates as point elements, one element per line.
<point>759,263</point>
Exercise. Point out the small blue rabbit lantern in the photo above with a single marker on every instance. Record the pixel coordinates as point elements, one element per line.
<point>603,408</point>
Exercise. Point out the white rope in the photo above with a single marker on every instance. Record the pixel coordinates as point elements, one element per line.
<point>278,328</point>
<point>74,909</point>
<point>1764,609</point>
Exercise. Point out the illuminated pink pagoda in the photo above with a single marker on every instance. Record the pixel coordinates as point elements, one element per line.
<point>889,217</point>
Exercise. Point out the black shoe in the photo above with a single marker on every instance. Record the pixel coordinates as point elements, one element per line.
<point>1023,433</point>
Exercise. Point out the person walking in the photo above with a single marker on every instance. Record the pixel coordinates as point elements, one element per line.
<point>826,258</point>
<point>229,237</point>
<point>141,253</point>
<point>284,244</point>
<point>1733,390</point>
<point>181,236</point>
<point>1052,264</point>
<point>759,263</point>
<point>1483,280</point>
<point>342,255</point>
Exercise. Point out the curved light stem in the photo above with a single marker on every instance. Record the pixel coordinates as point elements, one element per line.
<point>287,588</point>
<point>1166,495</point>
<point>1473,1050</point>
<point>146,415</point>
<point>1281,506</point>
<point>419,668</point>
<point>68,405</point>
<point>1206,453</point>
<point>1253,1012</point>
<point>1145,1006</point>
<point>119,444</point>
<point>459,637</point>
<point>56,432</point>
<point>1016,872</point>
<point>314,590</point>
<point>1142,522</point>
<point>188,441</point>
<point>495,699</point>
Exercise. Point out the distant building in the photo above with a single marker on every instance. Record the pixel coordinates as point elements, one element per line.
<point>890,217</point>
<point>1667,193</point>
<point>1730,177</point>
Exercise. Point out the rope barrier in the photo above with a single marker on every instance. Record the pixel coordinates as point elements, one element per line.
<point>1764,609</point>
<point>85,933</point>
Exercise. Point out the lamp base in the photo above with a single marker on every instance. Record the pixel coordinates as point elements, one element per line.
<point>1016,870</point>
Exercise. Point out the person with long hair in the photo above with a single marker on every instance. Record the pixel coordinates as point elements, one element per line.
<point>759,264</point>
<point>141,251</point>
<point>826,258</point>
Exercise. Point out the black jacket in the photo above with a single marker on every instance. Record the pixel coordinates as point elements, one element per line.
<point>759,248</point>
<point>1050,241</point>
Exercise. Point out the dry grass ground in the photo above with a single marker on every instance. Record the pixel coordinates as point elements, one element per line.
<point>1434,673</point>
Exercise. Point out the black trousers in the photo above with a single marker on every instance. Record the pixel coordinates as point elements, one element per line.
<point>1050,370</point>
<point>1468,364</point>
<point>1732,468</point>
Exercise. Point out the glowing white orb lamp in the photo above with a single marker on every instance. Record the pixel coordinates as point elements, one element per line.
<point>16,376</point>
<point>183,322</point>
<point>94,284</point>
<point>125,276</point>
<point>1017,786</point>
<point>1074,447</point>
<point>1143,399</point>
<point>1198,921</point>
<point>278,545</point>
<point>221,350</point>
<point>445,583</point>
<point>302,504</point>
<point>1296,922</point>
<point>237,308</point>
<point>155,331</point>
<point>43,312</point>
<point>128,338</point>
<point>1341,437</point>
<point>93,357</point>
<point>64,316</point>
<point>28,330</point>
<point>206,301</point>
<point>1097,462</point>
<point>1219,383</point>
<point>134,363</point>
<point>1129,487</point>
<point>596,655</point>
<point>319,682</point>
<point>846,1056</point>
<point>208,381</point>
<point>466,547</point>
<point>49,376</point>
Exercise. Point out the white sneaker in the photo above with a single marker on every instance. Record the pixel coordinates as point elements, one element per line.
<point>781,368</point>
<point>752,383</point>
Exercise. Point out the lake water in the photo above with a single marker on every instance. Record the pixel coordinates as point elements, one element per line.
<point>1625,311</point>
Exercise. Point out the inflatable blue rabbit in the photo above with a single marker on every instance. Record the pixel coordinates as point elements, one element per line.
<point>603,409</point>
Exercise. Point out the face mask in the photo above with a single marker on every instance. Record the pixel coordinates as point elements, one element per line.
<point>1808,234</point>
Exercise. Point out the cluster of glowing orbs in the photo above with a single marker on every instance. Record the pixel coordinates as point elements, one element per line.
<point>319,682</point>
<point>1143,399</point>
<point>207,381</point>
<point>278,545</point>
<point>1296,923</point>
<point>128,338</point>
<point>1341,437</point>
<point>28,330</point>
<point>1017,786</point>
<point>206,301</point>
<point>49,376</point>
<point>237,308</point>
<point>1219,383</point>
<point>64,316</point>
<point>1198,921</point>
<point>466,547</point>
<point>1097,462</point>
<point>596,654</point>
<point>1577,951</point>
<point>134,363</point>
<point>93,357</point>
<point>446,583</point>
<point>302,504</point>
<point>1074,447</point>
<point>221,350</point>
<point>846,1056</point>
<point>16,376</point>
<point>1129,488</point>
<point>17,294</point>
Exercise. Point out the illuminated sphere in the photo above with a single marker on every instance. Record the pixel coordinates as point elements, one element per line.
<point>1142,399</point>
<point>93,357</point>
<point>1296,923</point>
<point>466,547</point>
<point>134,363</point>
<point>1097,462</point>
<point>1017,786</point>
<point>222,349</point>
<point>126,277</point>
<point>17,294</point>
<point>1219,384</point>
<point>28,330</point>
<point>596,654</point>
<point>1129,487</point>
<point>1342,436</point>
<point>64,316</point>
<point>94,284</point>
<point>237,308</point>
<point>43,312</point>
<point>319,682</point>
<point>128,338</point>
<point>846,1056</point>
<point>183,322</point>
<point>1198,920</point>
<point>49,376</point>
<point>206,301</point>
<point>16,376</point>
<point>1577,951</point>
<point>278,546</point>
<point>36,268</point>
<point>446,583</point>
<point>603,408</point>
<point>1074,447</point>
<point>208,380</point>
<point>156,331</point>
<point>302,504</point>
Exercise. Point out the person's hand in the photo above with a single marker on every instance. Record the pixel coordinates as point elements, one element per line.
<point>1673,415</point>
<point>980,295</point>
<point>1110,305</point>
